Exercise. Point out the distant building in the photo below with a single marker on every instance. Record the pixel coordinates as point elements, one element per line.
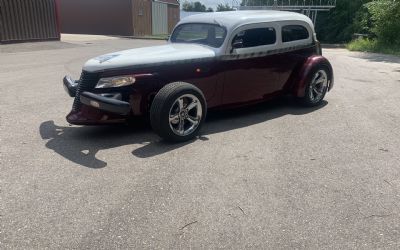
<point>119,17</point>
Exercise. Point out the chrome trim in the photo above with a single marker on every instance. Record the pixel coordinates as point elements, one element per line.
<point>185,115</point>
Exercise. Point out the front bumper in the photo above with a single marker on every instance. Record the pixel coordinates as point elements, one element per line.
<point>104,103</point>
<point>96,108</point>
<point>70,86</point>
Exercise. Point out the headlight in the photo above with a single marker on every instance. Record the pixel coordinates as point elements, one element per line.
<point>117,81</point>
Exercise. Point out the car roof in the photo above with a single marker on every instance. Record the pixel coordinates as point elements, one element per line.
<point>233,19</point>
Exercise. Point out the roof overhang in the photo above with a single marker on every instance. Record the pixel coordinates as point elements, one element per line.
<point>175,2</point>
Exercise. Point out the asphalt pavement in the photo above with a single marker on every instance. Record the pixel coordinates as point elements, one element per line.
<point>270,176</point>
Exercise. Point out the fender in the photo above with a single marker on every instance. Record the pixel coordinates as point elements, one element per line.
<point>299,87</point>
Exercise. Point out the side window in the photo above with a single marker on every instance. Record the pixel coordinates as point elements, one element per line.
<point>294,33</point>
<point>255,37</point>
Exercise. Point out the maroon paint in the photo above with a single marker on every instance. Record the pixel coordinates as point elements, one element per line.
<point>91,116</point>
<point>229,83</point>
<point>303,75</point>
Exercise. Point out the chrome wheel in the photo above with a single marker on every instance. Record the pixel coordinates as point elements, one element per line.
<point>318,86</point>
<point>185,115</point>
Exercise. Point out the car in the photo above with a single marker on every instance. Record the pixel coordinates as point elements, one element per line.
<point>213,60</point>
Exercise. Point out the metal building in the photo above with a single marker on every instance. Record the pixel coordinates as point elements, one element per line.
<point>119,17</point>
<point>27,20</point>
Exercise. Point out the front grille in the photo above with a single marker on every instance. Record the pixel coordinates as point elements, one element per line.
<point>87,82</point>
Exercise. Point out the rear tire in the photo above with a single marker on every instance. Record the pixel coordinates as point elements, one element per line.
<point>318,84</point>
<point>178,112</point>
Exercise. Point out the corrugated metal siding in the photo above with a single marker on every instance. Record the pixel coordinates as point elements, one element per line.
<point>159,18</point>
<point>141,17</point>
<point>27,20</point>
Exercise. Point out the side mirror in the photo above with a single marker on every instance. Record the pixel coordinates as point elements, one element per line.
<point>237,44</point>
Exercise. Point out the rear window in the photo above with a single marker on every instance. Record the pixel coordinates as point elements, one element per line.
<point>256,37</point>
<point>294,33</point>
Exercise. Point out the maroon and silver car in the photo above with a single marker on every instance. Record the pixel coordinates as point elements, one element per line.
<point>212,60</point>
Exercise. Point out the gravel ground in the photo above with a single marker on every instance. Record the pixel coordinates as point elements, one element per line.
<point>272,176</point>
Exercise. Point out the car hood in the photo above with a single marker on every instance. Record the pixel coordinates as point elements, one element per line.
<point>148,56</point>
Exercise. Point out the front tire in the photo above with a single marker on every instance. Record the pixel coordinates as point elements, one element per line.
<point>318,84</point>
<point>178,112</point>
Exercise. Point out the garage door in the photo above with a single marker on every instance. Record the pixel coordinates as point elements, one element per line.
<point>159,18</point>
<point>26,20</point>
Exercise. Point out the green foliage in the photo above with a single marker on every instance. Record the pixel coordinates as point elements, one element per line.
<point>224,7</point>
<point>373,45</point>
<point>385,16</point>
<point>362,21</point>
<point>338,25</point>
<point>194,7</point>
<point>361,44</point>
<point>378,19</point>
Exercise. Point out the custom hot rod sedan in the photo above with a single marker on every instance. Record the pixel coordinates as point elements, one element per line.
<point>212,60</point>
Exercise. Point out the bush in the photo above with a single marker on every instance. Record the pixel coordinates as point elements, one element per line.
<point>373,45</point>
<point>385,15</point>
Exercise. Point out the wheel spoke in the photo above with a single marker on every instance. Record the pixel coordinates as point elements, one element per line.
<point>180,101</point>
<point>174,118</point>
<point>192,105</point>
<point>312,94</point>
<point>316,91</point>
<point>316,77</point>
<point>318,86</point>
<point>193,120</point>
<point>181,127</point>
<point>322,80</point>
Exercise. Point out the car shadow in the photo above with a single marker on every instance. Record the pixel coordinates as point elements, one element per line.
<point>81,144</point>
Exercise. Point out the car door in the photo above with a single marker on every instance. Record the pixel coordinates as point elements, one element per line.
<point>251,72</point>
<point>297,45</point>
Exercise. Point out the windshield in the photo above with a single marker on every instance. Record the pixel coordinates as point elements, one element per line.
<point>208,34</point>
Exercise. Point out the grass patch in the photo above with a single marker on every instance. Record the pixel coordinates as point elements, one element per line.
<point>372,45</point>
<point>155,37</point>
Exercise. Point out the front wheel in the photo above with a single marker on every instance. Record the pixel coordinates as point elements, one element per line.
<point>178,112</point>
<point>318,83</point>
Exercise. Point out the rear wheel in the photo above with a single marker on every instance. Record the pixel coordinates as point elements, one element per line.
<point>178,112</point>
<point>317,87</point>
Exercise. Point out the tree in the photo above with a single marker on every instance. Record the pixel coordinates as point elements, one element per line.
<point>334,26</point>
<point>194,7</point>
<point>338,24</point>
<point>224,7</point>
<point>210,9</point>
<point>378,18</point>
<point>385,16</point>
<point>186,6</point>
<point>363,22</point>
